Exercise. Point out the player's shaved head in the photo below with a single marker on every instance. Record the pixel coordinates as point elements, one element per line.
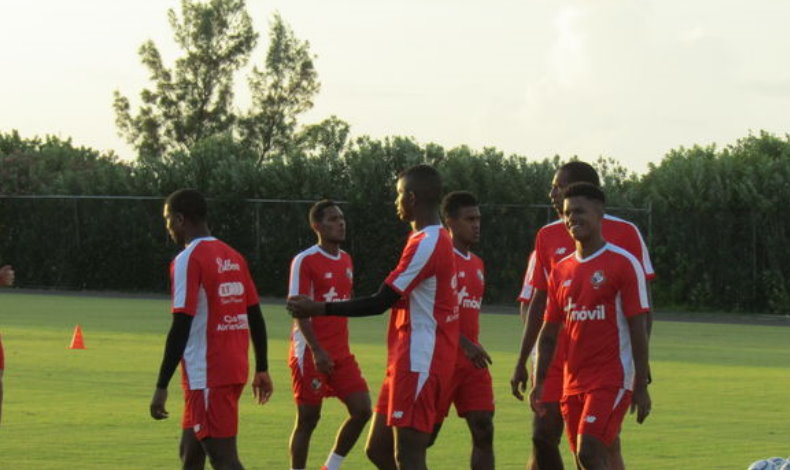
<point>455,201</point>
<point>580,172</point>
<point>425,182</point>
<point>189,203</point>
<point>590,191</point>
<point>319,209</point>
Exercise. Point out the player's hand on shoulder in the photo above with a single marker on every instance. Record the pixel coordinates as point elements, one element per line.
<point>262,387</point>
<point>6,275</point>
<point>301,306</point>
<point>158,401</point>
<point>518,382</point>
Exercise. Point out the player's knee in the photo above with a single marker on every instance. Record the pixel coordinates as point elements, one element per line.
<point>590,457</point>
<point>306,422</point>
<point>482,432</point>
<point>361,415</point>
<point>377,455</point>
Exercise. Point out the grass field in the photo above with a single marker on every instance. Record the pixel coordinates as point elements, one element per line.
<point>720,393</point>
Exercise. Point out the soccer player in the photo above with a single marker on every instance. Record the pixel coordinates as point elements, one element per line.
<point>215,312</point>
<point>6,279</point>
<point>598,295</point>
<point>320,359</point>
<point>471,390</point>
<point>423,329</point>
<point>552,243</point>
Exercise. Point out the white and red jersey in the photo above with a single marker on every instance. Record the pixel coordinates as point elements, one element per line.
<point>471,286</point>
<point>211,282</point>
<point>424,328</point>
<point>592,298</point>
<point>553,243</point>
<point>325,278</point>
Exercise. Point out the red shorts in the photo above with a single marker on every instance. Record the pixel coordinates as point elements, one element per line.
<point>598,413</point>
<point>212,412</point>
<point>310,387</point>
<point>410,400</point>
<point>471,390</point>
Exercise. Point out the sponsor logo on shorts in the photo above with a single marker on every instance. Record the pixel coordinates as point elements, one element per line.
<point>567,283</point>
<point>397,414</point>
<point>225,265</point>
<point>590,419</point>
<point>196,428</point>
<point>233,322</point>
<point>316,384</point>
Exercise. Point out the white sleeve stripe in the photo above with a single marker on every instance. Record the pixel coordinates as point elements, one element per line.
<point>424,251</point>
<point>180,276</point>
<point>641,281</point>
<point>646,263</point>
<point>296,267</point>
<point>526,289</point>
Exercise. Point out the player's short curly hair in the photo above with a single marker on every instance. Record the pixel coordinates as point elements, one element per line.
<point>590,191</point>
<point>580,172</point>
<point>319,208</point>
<point>455,201</point>
<point>425,182</point>
<point>190,203</point>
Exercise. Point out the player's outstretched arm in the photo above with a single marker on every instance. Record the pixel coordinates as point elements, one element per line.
<point>547,343</point>
<point>532,325</point>
<point>376,304</point>
<point>262,387</point>
<point>174,349</point>
<point>640,402</point>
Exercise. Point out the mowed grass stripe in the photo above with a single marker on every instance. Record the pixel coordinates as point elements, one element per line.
<point>720,395</point>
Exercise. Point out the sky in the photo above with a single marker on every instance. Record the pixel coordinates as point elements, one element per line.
<point>626,79</point>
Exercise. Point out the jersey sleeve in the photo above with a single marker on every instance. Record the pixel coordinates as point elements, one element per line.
<point>185,281</point>
<point>553,312</point>
<point>414,265</point>
<point>526,288</point>
<point>638,248</point>
<point>299,282</point>
<point>633,288</point>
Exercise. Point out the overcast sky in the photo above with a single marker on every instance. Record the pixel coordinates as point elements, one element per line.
<point>629,79</point>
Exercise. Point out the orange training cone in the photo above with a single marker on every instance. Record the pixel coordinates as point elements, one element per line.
<point>76,339</point>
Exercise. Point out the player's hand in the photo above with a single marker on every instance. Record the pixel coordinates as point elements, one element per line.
<point>518,382</point>
<point>534,400</point>
<point>262,387</point>
<point>158,410</point>
<point>476,354</point>
<point>300,306</point>
<point>641,403</point>
<point>323,363</point>
<point>6,275</point>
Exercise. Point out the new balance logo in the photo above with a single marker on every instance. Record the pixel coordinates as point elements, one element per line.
<point>397,414</point>
<point>567,283</point>
<point>590,419</point>
<point>327,275</point>
<point>561,250</point>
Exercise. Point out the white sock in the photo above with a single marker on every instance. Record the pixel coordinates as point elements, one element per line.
<point>333,461</point>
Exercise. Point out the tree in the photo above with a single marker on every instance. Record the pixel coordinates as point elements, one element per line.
<point>194,99</point>
<point>284,88</point>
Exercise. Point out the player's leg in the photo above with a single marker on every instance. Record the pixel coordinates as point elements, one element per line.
<point>435,434</point>
<point>481,425</point>
<point>358,405</point>
<point>592,453</point>
<point>222,453</point>
<point>599,426</point>
<point>191,452</point>
<point>546,437</point>
<point>380,446</point>
<point>307,416</point>
<point>410,448</point>
<point>616,455</point>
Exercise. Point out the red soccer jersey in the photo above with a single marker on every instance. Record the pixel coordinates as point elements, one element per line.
<point>553,243</point>
<point>211,283</point>
<point>593,297</point>
<point>424,328</point>
<point>471,285</point>
<point>325,278</point>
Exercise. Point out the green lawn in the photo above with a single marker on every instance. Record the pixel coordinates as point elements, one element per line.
<point>720,393</point>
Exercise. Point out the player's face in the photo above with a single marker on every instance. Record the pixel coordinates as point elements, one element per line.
<point>404,203</point>
<point>558,184</point>
<point>174,223</point>
<point>466,227</point>
<point>582,217</point>
<point>333,226</point>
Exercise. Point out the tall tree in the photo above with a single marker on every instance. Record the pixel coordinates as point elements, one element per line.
<point>284,88</point>
<point>194,99</point>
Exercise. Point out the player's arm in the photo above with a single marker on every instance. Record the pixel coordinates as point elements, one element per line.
<point>323,362</point>
<point>547,343</point>
<point>474,352</point>
<point>534,322</point>
<point>175,345</point>
<point>262,387</point>
<point>376,304</point>
<point>641,403</point>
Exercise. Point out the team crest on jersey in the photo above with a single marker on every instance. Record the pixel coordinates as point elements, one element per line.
<point>349,274</point>
<point>316,384</point>
<point>462,274</point>
<point>480,275</point>
<point>327,275</point>
<point>597,279</point>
